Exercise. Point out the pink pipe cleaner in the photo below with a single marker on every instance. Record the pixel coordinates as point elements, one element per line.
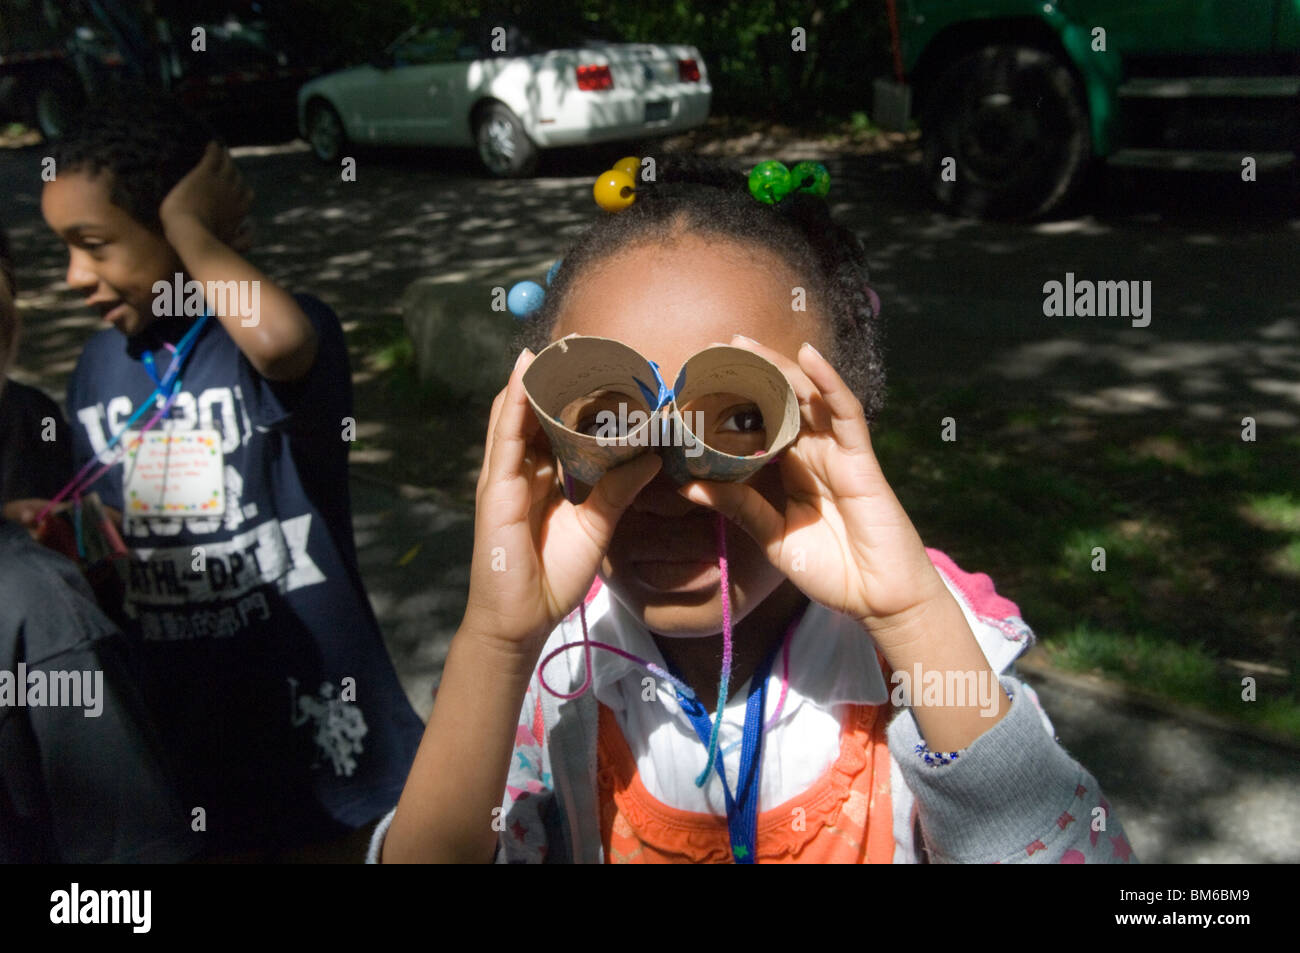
<point>725,680</point>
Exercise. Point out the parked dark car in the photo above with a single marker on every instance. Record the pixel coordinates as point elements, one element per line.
<point>240,67</point>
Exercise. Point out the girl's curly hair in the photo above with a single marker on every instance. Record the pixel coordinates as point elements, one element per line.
<point>711,198</point>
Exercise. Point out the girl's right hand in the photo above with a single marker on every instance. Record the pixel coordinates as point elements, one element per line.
<point>535,553</point>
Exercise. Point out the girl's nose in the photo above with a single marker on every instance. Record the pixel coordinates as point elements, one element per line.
<point>660,498</point>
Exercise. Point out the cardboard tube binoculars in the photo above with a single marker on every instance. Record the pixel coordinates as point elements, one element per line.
<point>602,404</point>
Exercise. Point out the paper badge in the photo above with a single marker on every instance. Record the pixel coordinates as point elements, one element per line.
<point>174,474</point>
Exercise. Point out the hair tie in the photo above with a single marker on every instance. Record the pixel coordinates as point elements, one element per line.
<point>615,188</point>
<point>770,182</point>
<point>526,297</point>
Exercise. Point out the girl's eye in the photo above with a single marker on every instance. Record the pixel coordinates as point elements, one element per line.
<point>748,420</point>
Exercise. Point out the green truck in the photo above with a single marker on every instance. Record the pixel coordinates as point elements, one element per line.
<point>1017,98</point>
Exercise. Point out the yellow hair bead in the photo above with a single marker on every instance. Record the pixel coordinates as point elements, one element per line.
<point>615,190</point>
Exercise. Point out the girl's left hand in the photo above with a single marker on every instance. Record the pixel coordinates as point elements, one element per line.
<point>844,538</point>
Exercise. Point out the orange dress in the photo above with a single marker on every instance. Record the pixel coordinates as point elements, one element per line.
<point>844,818</point>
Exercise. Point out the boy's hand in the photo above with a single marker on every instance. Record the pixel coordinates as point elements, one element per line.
<point>26,511</point>
<point>215,195</point>
<point>205,220</point>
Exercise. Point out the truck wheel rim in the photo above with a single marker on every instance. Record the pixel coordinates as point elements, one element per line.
<point>49,115</point>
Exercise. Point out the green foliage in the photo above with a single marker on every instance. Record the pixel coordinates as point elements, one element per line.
<point>746,44</point>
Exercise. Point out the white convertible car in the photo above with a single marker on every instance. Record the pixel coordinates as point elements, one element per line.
<point>506,92</point>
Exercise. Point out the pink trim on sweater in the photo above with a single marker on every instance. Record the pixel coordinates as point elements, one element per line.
<point>539,723</point>
<point>977,587</point>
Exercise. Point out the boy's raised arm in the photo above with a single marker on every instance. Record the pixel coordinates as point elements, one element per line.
<point>201,218</point>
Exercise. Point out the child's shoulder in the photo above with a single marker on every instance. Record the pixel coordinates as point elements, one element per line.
<point>106,342</point>
<point>317,311</point>
<point>325,320</point>
<point>46,598</point>
<point>103,354</point>
<point>23,403</point>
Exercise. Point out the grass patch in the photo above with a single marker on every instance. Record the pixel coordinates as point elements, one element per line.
<point>1186,673</point>
<point>1275,510</point>
<point>1200,533</point>
<point>1189,674</point>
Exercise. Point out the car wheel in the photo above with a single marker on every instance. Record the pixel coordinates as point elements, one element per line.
<point>503,146</point>
<point>325,133</point>
<point>1014,122</point>
<point>58,98</point>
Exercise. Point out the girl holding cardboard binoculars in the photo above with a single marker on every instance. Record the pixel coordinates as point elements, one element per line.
<point>634,539</point>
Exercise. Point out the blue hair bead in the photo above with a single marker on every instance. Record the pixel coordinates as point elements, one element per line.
<point>525,298</point>
<point>554,270</point>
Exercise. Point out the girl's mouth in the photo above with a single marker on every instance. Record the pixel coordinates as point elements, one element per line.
<point>677,575</point>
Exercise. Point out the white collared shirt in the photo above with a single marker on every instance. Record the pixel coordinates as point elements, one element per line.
<point>832,665</point>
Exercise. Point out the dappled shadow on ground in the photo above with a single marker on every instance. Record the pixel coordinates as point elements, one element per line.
<point>1071,431</point>
<point>1185,794</point>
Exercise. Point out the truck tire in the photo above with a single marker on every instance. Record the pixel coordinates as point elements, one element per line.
<point>55,98</point>
<point>1014,122</point>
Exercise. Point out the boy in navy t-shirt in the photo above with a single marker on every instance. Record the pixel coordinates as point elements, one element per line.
<point>258,653</point>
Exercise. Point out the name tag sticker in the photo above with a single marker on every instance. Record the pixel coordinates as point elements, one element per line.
<point>174,474</point>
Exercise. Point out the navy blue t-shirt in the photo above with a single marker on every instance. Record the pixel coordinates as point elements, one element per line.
<point>264,668</point>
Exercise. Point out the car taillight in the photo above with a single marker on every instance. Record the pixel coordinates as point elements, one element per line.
<point>688,71</point>
<point>593,78</point>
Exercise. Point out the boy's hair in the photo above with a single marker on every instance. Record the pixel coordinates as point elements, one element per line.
<point>708,197</point>
<point>146,139</point>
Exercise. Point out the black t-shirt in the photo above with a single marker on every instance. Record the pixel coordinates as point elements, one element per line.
<point>264,669</point>
<point>83,782</point>
<point>30,464</point>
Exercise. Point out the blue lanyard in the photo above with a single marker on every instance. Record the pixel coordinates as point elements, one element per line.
<point>182,351</point>
<point>742,810</point>
<point>148,360</point>
<point>172,377</point>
